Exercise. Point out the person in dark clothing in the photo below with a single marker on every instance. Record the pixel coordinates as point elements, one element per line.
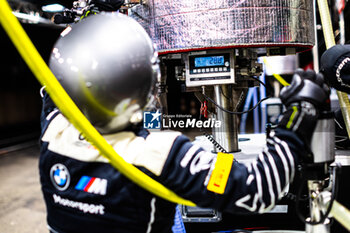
<point>335,65</point>
<point>109,67</point>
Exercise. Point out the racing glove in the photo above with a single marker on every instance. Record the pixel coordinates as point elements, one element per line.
<point>335,65</point>
<point>304,98</point>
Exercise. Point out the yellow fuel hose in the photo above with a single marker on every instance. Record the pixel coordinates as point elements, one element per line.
<point>71,111</point>
<point>330,42</point>
<point>277,76</point>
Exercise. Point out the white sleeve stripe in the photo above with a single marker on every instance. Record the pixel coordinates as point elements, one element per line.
<point>291,158</point>
<point>250,179</point>
<point>269,180</point>
<point>289,155</point>
<point>275,172</point>
<point>284,161</point>
<point>282,156</point>
<point>258,181</point>
<point>48,117</point>
<point>269,141</point>
<point>188,156</point>
<point>152,214</point>
<point>240,202</point>
<point>262,208</point>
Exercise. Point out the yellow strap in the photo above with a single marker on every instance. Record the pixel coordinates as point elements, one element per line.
<point>290,122</point>
<point>220,174</point>
<point>277,76</point>
<point>70,110</point>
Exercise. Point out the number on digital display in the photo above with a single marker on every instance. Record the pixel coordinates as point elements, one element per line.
<point>209,61</point>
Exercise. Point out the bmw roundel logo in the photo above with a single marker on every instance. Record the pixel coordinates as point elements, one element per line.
<point>60,177</point>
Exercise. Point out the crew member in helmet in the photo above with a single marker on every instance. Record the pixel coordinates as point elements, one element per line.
<point>108,66</point>
<point>335,65</point>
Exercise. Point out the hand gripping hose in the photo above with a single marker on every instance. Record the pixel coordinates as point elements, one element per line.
<point>71,111</point>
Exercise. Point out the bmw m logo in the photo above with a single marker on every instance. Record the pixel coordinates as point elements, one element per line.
<point>60,176</point>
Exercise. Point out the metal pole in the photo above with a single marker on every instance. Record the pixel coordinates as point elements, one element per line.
<point>315,48</point>
<point>316,209</point>
<point>227,134</point>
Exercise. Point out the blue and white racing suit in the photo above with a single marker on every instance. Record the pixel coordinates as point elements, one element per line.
<point>84,193</point>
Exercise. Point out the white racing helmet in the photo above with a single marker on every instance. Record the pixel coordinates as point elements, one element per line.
<point>108,65</point>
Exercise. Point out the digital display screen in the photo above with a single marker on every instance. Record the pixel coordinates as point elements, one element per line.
<point>209,61</point>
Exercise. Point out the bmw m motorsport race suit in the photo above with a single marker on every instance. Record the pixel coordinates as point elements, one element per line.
<point>84,193</point>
